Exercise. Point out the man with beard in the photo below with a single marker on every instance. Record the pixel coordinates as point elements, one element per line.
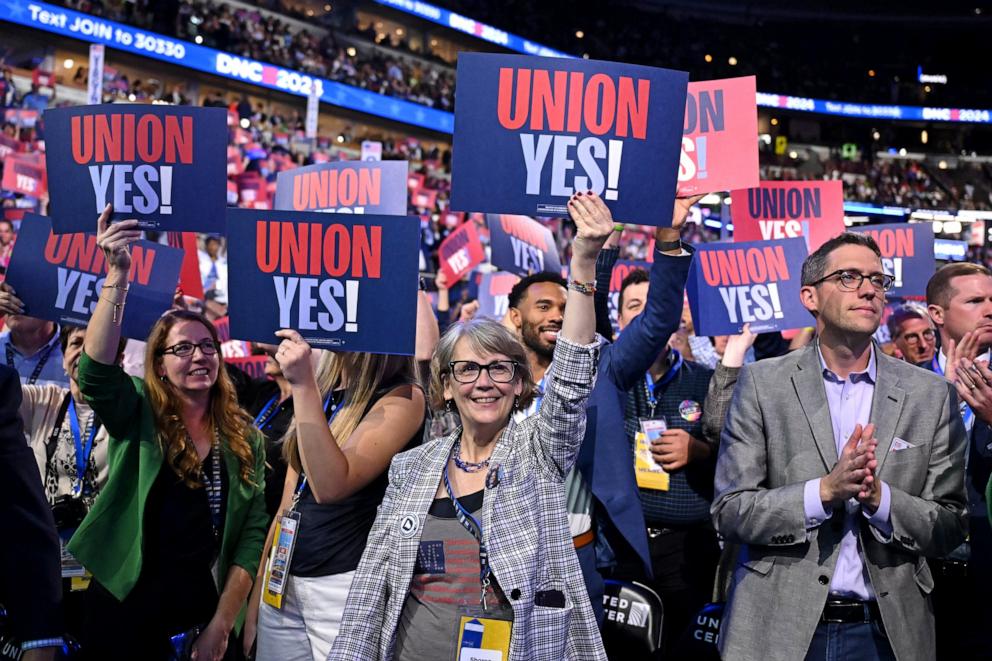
<point>959,299</point>
<point>912,332</point>
<point>840,469</point>
<point>606,499</point>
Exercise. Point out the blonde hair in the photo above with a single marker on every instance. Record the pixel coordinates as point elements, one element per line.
<point>485,336</point>
<point>364,374</point>
<point>225,415</point>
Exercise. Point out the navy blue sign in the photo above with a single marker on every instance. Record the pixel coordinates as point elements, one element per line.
<point>532,131</point>
<point>345,282</point>
<point>907,253</point>
<point>521,245</point>
<point>750,282</point>
<point>373,187</point>
<point>59,277</point>
<point>494,294</point>
<point>164,165</point>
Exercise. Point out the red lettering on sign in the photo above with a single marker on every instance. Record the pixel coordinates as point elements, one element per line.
<point>80,252</point>
<point>599,104</point>
<point>739,266</point>
<point>328,189</point>
<point>315,249</point>
<point>111,137</point>
<point>893,242</point>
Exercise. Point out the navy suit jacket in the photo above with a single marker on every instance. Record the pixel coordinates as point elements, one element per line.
<point>606,460</point>
<point>30,572</point>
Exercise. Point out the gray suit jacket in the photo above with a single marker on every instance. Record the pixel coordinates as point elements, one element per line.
<point>773,443</point>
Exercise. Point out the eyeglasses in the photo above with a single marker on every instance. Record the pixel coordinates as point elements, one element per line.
<point>852,280</point>
<point>186,349</point>
<point>913,338</point>
<point>468,371</point>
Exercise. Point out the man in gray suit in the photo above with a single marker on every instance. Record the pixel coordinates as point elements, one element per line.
<point>837,480</point>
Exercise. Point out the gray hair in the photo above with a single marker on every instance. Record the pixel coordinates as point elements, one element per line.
<point>906,311</point>
<point>485,336</point>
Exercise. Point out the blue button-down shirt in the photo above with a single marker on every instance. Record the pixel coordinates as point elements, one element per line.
<point>849,401</point>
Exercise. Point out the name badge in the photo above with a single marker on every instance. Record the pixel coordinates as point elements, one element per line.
<point>277,568</point>
<point>649,473</point>
<point>483,635</point>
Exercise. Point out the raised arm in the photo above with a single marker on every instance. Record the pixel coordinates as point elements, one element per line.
<point>103,333</point>
<point>561,419</point>
<point>721,387</point>
<point>337,471</point>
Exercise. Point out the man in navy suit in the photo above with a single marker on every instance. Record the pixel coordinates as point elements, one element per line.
<point>959,300</point>
<point>30,576</point>
<point>602,492</point>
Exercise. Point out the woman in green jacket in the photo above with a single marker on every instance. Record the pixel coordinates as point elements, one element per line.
<point>174,539</point>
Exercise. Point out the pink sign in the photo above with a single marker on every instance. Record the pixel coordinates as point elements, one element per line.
<point>785,209</point>
<point>719,137</point>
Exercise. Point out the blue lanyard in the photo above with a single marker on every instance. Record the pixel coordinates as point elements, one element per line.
<point>475,528</point>
<point>540,392</point>
<point>966,413</point>
<point>650,386</point>
<point>82,455</point>
<point>303,483</point>
<point>268,412</point>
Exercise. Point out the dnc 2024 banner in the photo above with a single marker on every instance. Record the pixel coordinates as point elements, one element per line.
<point>531,131</point>
<point>755,282</point>
<point>164,165</point>
<point>59,277</point>
<point>346,282</point>
<point>345,187</point>
<point>521,245</point>
<point>719,141</point>
<point>813,210</point>
<point>907,254</point>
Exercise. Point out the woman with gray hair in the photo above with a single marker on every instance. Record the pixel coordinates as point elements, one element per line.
<point>472,541</point>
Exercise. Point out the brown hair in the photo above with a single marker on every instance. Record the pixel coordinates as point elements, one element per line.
<point>364,374</point>
<point>940,290</point>
<point>226,416</point>
<point>486,337</point>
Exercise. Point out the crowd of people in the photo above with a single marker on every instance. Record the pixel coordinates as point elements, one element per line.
<point>825,490</point>
<point>415,77</point>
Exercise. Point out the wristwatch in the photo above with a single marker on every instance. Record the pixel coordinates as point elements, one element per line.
<point>665,246</point>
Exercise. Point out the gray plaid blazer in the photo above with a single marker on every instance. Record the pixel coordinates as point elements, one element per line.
<point>523,519</point>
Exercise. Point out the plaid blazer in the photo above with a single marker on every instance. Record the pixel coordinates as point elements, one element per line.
<point>523,519</point>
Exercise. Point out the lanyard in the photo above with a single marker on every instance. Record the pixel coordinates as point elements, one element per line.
<point>540,391</point>
<point>650,386</point>
<point>966,413</point>
<point>215,485</point>
<point>82,454</point>
<point>269,411</point>
<point>475,528</point>
<point>303,483</point>
<point>37,368</point>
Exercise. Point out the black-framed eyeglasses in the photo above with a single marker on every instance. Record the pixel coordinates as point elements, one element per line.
<point>186,349</point>
<point>852,280</point>
<point>468,371</point>
<point>927,336</point>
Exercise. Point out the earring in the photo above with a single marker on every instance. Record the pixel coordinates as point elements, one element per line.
<point>516,402</point>
<point>161,377</point>
<point>449,405</point>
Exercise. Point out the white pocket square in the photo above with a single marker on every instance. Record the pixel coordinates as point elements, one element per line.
<point>899,444</point>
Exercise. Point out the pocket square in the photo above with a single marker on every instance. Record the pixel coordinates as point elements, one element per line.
<point>899,444</point>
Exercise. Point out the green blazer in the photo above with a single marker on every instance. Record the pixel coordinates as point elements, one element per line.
<point>109,540</point>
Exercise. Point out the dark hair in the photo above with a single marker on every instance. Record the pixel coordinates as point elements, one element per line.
<point>634,277</point>
<point>520,289</point>
<point>940,290</point>
<point>6,221</point>
<point>66,331</point>
<point>815,266</point>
